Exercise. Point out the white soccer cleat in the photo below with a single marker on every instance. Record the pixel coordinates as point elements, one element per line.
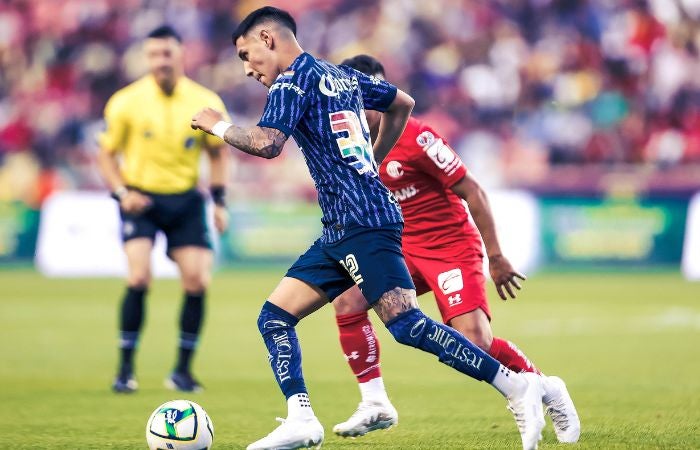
<point>561,409</point>
<point>368,417</point>
<point>292,434</point>
<point>527,411</point>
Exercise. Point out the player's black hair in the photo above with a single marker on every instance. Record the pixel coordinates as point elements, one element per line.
<point>365,64</point>
<point>165,31</point>
<point>266,13</point>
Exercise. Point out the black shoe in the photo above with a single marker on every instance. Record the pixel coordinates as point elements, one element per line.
<point>183,382</point>
<point>125,384</point>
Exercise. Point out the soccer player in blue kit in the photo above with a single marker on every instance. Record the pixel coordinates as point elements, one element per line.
<point>322,106</point>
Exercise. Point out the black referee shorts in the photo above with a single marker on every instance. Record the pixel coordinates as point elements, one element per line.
<point>181,217</point>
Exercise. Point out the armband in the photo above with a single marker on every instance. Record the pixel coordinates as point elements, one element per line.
<point>217,195</point>
<point>119,193</point>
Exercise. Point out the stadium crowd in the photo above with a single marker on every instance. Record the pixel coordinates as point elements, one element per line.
<point>519,87</point>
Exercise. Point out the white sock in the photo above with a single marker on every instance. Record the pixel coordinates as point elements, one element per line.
<point>299,407</point>
<point>508,382</point>
<point>373,391</point>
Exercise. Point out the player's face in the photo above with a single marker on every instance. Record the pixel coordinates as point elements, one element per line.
<point>164,58</point>
<point>259,61</point>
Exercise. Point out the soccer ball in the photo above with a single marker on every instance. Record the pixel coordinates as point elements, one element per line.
<point>179,425</point>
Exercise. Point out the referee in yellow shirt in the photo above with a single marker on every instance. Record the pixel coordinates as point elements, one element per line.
<point>150,159</point>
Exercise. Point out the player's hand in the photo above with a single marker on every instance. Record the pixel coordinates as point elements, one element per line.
<point>205,119</point>
<point>220,218</point>
<point>504,276</point>
<point>134,202</point>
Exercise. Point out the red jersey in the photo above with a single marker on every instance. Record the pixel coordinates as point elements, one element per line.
<point>419,171</point>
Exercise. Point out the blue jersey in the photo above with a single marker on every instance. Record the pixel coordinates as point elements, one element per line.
<point>322,106</point>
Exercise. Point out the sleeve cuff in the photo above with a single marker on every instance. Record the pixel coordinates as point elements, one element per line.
<point>390,96</point>
<point>278,126</point>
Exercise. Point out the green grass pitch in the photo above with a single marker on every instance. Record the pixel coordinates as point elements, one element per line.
<point>627,344</point>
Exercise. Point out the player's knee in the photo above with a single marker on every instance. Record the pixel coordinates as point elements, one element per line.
<point>139,279</point>
<point>350,302</point>
<point>273,319</point>
<point>408,327</point>
<point>196,282</point>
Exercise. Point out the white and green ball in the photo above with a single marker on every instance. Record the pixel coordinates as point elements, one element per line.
<point>179,425</point>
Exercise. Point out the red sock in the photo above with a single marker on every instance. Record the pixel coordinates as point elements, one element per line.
<point>360,345</point>
<point>510,356</point>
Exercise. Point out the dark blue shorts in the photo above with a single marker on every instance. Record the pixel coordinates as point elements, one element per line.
<point>368,257</point>
<point>181,217</point>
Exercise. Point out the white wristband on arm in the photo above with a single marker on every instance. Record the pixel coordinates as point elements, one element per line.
<point>220,128</point>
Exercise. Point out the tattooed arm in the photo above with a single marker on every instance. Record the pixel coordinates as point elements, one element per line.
<point>394,302</point>
<point>257,141</point>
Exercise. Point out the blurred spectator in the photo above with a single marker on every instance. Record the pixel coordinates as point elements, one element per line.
<point>517,86</point>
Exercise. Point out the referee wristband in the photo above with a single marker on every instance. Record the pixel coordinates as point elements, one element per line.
<point>217,195</point>
<point>119,193</point>
<point>220,128</point>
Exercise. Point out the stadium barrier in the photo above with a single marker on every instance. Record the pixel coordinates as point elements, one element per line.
<point>79,234</point>
<point>19,225</point>
<point>691,246</point>
<point>607,232</point>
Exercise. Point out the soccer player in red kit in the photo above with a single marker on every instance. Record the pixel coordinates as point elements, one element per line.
<point>443,252</point>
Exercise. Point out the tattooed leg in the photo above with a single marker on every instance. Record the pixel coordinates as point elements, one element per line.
<point>395,302</point>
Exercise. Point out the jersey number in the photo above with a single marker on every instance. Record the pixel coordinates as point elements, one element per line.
<point>350,264</point>
<point>353,143</point>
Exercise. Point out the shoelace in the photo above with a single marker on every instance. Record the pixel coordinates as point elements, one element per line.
<point>558,416</point>
<point>519,418</point>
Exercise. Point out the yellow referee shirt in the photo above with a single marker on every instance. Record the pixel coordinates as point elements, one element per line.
<point>160,150</point>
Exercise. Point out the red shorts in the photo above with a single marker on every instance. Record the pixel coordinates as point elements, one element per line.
<point>459,286</point>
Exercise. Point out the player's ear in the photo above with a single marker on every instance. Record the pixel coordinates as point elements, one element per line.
<point>267,39</point>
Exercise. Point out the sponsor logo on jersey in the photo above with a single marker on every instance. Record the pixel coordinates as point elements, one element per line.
<point>331,86</point>
<point>450,281</point>
<point>439,152</point>
<point>393,168</point>
<point>287,85</point>
<point>425,139</point>
<point>406,193</point>
<point>454,300</point>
